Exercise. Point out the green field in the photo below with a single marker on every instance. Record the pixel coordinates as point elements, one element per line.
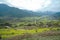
<point>30,29</point>
<point>8,33</point>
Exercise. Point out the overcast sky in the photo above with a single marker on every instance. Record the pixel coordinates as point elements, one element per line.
<point>53,5</point>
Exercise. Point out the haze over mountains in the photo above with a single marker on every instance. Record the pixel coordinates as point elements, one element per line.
<point>12,12</point>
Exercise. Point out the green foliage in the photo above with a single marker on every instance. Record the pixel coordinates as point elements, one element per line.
<point>6,33</point>
<point>30,25</point>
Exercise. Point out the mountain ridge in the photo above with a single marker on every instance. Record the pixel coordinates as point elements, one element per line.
<point>12,12</point>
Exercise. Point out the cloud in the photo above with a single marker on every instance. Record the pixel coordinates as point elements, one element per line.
<point>54,6</point>
<point>2,0</point>
<point>30,4</point>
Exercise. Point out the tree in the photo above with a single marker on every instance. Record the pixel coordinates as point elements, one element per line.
<point>0,37</point>
<point>8,24</point>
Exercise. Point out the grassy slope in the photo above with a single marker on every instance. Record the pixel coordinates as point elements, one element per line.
<point>7,33</point>
<point>32,34</point>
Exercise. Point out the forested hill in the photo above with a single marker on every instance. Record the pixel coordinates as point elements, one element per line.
<point>57,15</point>
<point>6,11</point>
<point>12,12</point>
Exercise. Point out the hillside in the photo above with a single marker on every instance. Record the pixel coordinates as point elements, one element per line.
<point>12,13</point>
<point>6,11</point>
<point>57,15</point>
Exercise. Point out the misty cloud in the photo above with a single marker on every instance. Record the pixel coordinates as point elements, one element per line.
<point>54,6</point>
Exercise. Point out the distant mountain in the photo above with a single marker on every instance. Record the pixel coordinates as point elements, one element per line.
<point>12,12</point>
<point>52,16</point>
<point>6,11</point>
<point>56,15</point>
